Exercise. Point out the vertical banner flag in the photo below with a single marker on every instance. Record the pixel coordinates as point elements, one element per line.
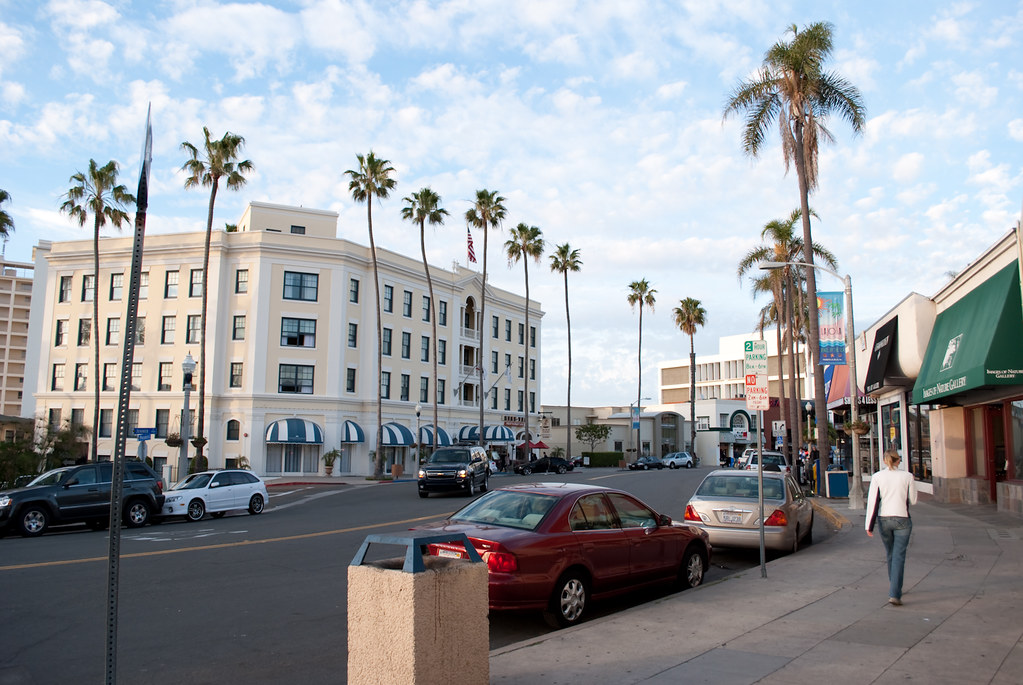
<point>472,252</point>
<point>832,327</point>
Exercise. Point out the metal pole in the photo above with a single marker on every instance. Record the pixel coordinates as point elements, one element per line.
<point>760,490</point>
<point>186,429</point>
<point>856,493</point>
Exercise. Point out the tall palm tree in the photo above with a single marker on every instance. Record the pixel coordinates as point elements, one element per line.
<point>419,208</point>
<point>206,167</point>
<point>793,90</point>
<point>563,260</point>
<point>373,179</point>
<point>6,222</point>
<point>97,191</point>
<point>688,315</point>
<point>526,243</point>
<point>487,212</point>
<point>640,293</point>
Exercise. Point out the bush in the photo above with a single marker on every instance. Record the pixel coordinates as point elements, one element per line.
<point>598,459</point>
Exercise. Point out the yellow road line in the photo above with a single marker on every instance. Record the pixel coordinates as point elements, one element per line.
<point>223,545</point>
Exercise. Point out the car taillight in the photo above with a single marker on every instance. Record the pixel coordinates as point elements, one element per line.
<point>159,487</point>
<point>501,562</point>
<point>691,514</point>
<point>778,518</point>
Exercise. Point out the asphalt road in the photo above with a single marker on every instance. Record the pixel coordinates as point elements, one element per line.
<point>254,599</point>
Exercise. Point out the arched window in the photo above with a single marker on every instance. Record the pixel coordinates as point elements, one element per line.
<point>233,429</point>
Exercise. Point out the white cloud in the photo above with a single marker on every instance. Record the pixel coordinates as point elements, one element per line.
<point>973,90</point>
<point>12,46</point>
<point>340,27</point>
<point>1016,129</point>
<point>907,168</point>
<point>671,91</point>
<point>11,95</point>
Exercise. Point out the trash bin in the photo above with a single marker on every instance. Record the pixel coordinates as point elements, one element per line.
<point>838,484</point>
<point>416,619</point>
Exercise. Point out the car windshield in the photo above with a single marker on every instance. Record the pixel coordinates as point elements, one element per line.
<point>49,478</point>
<point>522,510</point>
<point>740,486</point>
<point>449,456</point>
<point>196,480</point>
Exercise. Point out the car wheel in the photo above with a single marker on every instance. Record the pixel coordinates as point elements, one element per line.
<point>136,514</point>
<point>471,486</point>
<point>689,464</point>
<point>256,504</point>
<point>526,470</point>
<point>568,602</point>
<point>33,521</point>
<point>486,483</point>
<point>694,566</point>
<point>423,494</point>
<point>218,514</point>
<point>196,510</point>
<point>808,538</point>
<point>673,465</point>
<point>645,467</point>
<point>561,470</point>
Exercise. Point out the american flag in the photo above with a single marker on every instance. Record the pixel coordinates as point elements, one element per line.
<point>472,252</point>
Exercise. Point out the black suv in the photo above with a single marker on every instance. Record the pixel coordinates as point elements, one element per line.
<point>81,494</point>
<point>454,468</point>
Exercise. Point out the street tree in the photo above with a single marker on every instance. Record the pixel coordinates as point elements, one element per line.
<point>6,222</point>
<point>592,433</point>
<point>526,243</point>
<point>688,316</point>
<point>640,294</point>
<point>564,260</point>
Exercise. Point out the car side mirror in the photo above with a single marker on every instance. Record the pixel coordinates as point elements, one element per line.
<point>664,520</point>
<point>214,485</point>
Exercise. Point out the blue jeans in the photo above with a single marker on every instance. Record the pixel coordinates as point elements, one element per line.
<point>895,532</point>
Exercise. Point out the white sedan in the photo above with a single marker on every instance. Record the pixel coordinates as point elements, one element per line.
<point>216,492</point>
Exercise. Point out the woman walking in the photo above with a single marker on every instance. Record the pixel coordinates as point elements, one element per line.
<point>891,493</point>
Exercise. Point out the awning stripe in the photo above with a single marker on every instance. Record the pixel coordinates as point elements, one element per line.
<point>426,436</point>
<point>352,432</point>
<point>396,435</point>
<point>294,431</point>
<point>498,433</point>
<point>468,433</point>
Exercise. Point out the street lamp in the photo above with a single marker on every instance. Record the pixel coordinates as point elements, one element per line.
<point>419,438</point>
<point>856,493</point>
<point>638,410</point>
<point>187,368</point>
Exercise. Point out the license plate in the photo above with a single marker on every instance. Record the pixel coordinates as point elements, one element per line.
<point>450,553</point>
<point>731,518</point>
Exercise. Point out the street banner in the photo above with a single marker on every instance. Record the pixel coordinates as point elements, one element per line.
<point>832,327</point>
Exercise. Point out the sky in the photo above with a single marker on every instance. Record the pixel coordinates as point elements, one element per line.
<point>600,122</point>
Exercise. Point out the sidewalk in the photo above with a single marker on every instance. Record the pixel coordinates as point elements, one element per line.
<point>821,616</point>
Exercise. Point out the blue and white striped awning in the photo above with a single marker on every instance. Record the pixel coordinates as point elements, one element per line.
<point>352,432</point>
<point>396,435</point>
<point>426,436</point>
<point>294,431</point>
<point>492,433</point>
<point>468,433</point>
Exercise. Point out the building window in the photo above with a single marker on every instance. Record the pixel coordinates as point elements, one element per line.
<point>532,402</point>
<point>106,422</point>
<point>140,331</point>
<point>441,385</point>
<point>532,369</point>
<point>442,313</point>
<point>167,331</point>
<point>116,286</point>
<point>702,423</point>
<point>353,290</point>
<point>442,352</point>
<point>424,349</point>
<point>507,364</point>
<point>520,396</point>
<point>493,361</point>
<point>136,376</point>
<point>60,334</point>
<point>109,376</point>
<point>295,378</point>
<point>84,332</point>
<point>388,298</point>
<point>300,286</point>
<point>385,385</point>
<point>163,381</point>
<point>298,332</point>
<point>350,380</point>
<point>406,345</point>
<point>162,421</point>
<point>386,342</point>
<point>57,378</point>
<point>65,289</point>
<point>88,288</point>
<point>406,304</point>
<point>406,381</point>
<point>241,281</point>
<point>144,285</point>
<point>353,334</point>
<point>496,324</point>
<point>195,283</point>
<point>522,333</point>
<point>234,430</point>
<point>522,368</point>
<point>194,323</point>
<point>507,330</point>
<point>170,284</point>
<point>236,375</point>
<point>493,400</point>
<point>532,336</point>
<point>507,399</point>
<point>424,389</point>
<point>132,421</point>
<point>426,307</point>
<point>238,329</point>
<point>113,331</point>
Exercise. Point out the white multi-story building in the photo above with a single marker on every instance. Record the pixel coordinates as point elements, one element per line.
<point>292,344</point>
<point>15,308</point>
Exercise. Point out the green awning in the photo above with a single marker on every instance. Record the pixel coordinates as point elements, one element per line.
<point>976,342</point>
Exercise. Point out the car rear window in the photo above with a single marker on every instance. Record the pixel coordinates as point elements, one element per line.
<point>740,486</point>
<point>523,510</point>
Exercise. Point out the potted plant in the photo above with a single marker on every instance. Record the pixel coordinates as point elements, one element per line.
<point>858,427</point>
<point>328,460</point>
<point>173,440</point>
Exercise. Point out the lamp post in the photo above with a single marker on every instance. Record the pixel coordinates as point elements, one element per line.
<point>856,493</point>
<point>419,438</point>
<point>638,411</point>
<point>187,368</point>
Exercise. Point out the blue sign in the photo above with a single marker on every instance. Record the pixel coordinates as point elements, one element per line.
<point>142,434</point>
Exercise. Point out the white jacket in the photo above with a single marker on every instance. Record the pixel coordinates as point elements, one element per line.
<point>897,490</point>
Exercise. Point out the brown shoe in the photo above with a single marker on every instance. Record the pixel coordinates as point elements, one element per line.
<point>895,601</point>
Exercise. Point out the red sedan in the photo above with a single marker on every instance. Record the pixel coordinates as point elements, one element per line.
<point>556,546</point>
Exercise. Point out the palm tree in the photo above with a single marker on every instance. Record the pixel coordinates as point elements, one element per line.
<point>97,191</point>
<point>487,212</point>
<point>419,208</point>
<point>6,222</point>
<point>526,243</point>
<point>640,293</point>
<point>793,90</point>
<point>688,315</point>
<point>206,167</point>
<point>373,179</point>
<point>563,260</point>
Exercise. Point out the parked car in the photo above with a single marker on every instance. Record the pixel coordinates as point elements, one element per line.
<point>216,492</point>
<point>645,463</point>
<point>81,494</point>
<point>726,506</point>
<point>544,465</point>
<point>554,547</point>
<point>455,468</point>
<point>772,460</point>
<point>675,460</point>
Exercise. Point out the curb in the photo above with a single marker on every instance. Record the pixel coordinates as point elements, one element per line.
<point>834,518</point>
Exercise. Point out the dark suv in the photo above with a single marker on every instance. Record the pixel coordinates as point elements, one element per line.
<point>81,494</point>
<point>454,468</point>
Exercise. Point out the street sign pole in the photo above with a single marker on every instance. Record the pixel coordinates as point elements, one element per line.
<point>758,399</point>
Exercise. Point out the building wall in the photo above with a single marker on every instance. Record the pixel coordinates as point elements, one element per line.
<point>15,308</point>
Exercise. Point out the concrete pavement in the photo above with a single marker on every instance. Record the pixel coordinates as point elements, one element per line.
<point>821,615</point>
